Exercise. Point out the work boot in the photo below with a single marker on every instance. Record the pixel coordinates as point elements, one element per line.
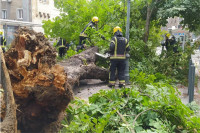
<point>111,85</point>
<point>121,86</point>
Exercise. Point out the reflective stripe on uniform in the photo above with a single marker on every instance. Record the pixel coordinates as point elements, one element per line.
<point>62,44</point>
<point>3,42</point>
<point>115,52</point>
<point>117,57</point>
<point>83,35</point>
<point>122,81</point>
<point>113,41</point>
<point>111,82</point>
<point>127,44</point>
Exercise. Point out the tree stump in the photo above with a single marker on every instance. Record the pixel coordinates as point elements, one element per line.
<point>39,84</point>
<point>43,89</point>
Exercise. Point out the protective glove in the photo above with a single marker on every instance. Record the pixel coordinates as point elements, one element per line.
<point>127,55</point>
<point>102,37</point>
<point>84,46</point>
<point>107,51</point>
<point>163,43</point>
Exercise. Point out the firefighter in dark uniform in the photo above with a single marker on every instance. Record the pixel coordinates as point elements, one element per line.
<point>2,41</point>
<point>89,29</point>
<point>174,44</point>
<point>170,44</point>
<point>119,47</point>
<point>167,42</point>
<point>62,44</point>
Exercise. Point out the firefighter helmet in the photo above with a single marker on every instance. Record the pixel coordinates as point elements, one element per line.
<point>117,28</point>
<point>95,19</point>
<point>168,35</point>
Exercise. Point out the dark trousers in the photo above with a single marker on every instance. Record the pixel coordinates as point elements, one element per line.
<point>62,51</point>
<point>82,40</point>
<point>3,50</point>
<point>118,65</point>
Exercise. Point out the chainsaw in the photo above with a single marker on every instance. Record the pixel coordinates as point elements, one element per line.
<point>105,56</point>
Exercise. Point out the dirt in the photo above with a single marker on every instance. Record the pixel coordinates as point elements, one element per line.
<point>88,87</point>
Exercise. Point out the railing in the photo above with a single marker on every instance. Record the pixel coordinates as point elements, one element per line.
<point>191,81</point>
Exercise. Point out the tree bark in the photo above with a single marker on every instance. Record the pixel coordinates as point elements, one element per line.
<point>82,66</point>
<point>150,8</point>
<point>146,34</point>
<point>8,106</point>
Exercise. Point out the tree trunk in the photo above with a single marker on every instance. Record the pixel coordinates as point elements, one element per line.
<point>150,8</point>
<point>42,88</point>
<point>146,34</point>
<point>82,66</point>
<point>8,107</point>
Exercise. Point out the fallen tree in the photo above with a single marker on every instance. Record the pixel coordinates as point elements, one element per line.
<point>82,66</point>
<point>43,89</point>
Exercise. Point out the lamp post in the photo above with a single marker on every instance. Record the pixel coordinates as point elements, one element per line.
<point>127,36</point>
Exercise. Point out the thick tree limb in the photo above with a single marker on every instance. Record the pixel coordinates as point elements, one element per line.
<point>9,123</point>
<point>82,66</point>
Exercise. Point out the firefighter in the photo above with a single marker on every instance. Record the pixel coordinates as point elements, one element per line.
<point>89,29</point>
<point>170,43</point>
<point>62,44</point>
<point>119,47</point>
<point>167,42</point>
<point>3,42</point>
<point>174,44</point>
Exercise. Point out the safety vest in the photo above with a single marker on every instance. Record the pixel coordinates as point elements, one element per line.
<point>121,44</point>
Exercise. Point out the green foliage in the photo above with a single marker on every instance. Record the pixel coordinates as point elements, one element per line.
<point>149,106</point>
<point>194,106</point>
<point>186,9</point>
<point>70,53</point>
<point>173,65</point>
<point>176,64</point>
<point>76,14</point>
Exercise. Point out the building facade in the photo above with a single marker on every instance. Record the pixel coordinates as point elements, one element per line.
<point>24,13</point>
<point>175,28</point>
<point>43,10</point>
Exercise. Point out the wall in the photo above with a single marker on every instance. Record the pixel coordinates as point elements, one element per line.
<point>40,11</point>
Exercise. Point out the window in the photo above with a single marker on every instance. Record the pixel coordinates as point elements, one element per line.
<point>19,13</point>
<point>48,15</point>
<point>44,1</point>
<point>4,14</point>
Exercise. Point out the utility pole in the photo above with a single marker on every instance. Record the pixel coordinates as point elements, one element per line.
<point>127,36</point>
